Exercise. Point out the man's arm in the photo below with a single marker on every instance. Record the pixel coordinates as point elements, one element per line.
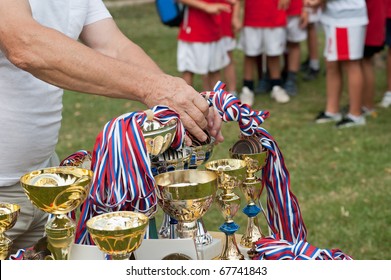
<point>66,63</point>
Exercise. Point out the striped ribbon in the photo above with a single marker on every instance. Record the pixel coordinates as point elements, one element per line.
<point>123,180</point>
<point>283,212</point>
<point>273,248</point>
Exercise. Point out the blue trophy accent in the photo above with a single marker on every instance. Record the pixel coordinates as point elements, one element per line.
<point>251,210</point>
<point>229,228</point>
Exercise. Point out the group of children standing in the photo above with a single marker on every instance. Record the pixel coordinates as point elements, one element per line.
<point>270,33</point>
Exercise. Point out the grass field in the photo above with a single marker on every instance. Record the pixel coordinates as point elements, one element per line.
<point>342,178</point>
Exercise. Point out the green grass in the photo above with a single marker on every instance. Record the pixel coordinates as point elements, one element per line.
<point>342,178</point>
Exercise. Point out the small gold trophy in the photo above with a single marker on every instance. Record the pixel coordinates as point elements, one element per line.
<point>186,195</point>
<point>231,173</point>
<point>118,233</point>
<point>58,191</point>
<point>8,215</point>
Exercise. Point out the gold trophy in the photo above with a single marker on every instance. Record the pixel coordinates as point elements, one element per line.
<point>231,173</point>
<point>158,139</point>
<point>170,160</point>
<point>186,195</point>
<point>202,151</point>
<point>8,215</point>
<point>251,188</point>
<point>58,191</point>
<point>118,233</point>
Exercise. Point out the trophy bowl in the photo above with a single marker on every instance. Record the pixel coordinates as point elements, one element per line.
<point>186,195</point>
<point>158,137</point>
<point>118,233</point>
<point>58,191</point>
<point>9,213</point>
<point>202,152</point>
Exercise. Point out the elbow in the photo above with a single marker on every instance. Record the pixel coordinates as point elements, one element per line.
<point>21,57</point>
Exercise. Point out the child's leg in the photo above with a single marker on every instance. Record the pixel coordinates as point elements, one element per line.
<point>188,77</point>
<point>355,85</point>
<point>230,73</point>
<point>209,80</point>
<point>333,86</point>
<point>248,69</point>
<point>274,68</point>
<point>369,84</point>
<point>389,69</point>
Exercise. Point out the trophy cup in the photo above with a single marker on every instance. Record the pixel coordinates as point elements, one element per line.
<point>251,151</point>
<point>170,160</point>
<point>8,215</point>
<point>158,138</point>
<point>231,173</point>
<point>58,191</point>
<point>118,233</point>
<point>186,195</point>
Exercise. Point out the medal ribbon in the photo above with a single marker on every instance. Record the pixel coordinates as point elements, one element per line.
<point>123,180</point>
<point>273,248</point>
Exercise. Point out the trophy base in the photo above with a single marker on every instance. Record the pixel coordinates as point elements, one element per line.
<point>210,251</point>
<point>244,251</point>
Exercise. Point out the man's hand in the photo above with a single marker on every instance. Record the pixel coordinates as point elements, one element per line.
<point>185,100</point>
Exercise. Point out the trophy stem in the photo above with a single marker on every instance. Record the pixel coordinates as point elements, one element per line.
<point>230,250</point>
<point>187,229</point>
<point>203,238</point>
<point>60,232</point>
<point>253,231</point>
<point>5,246</point>
<point>164,231</point>
<point>124,256</point>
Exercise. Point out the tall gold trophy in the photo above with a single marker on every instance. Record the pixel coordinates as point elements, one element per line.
<point>118,233</point>
<point>58,191</point>
<point>231,173</point>
<point>186,195</point>
<point>8,215</point>
<point>251,151</point>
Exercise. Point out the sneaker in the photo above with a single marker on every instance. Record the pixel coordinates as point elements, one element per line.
<point>290,87</point>
<point>263,86</point>
<point>247,96</point>
<point>350,121</point>
<point>280,95</point>
<point>324,117</point>
<point>368,112</point>
<point>386,101</point>
<point>304,66</point>
<point>311,74</point>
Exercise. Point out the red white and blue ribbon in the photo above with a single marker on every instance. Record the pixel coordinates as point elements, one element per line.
<point>272,248</point>
<point>284,216</point>
<point>123,180</point>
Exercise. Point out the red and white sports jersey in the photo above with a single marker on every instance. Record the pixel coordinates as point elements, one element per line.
<point>199,26</point>
<point>376,29</point>
<point>263,13</point>
<point>295,8</point>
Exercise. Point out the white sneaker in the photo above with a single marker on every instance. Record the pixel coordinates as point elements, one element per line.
<point>280,95</point>
<point>247,96</point>
<point>386,101</point>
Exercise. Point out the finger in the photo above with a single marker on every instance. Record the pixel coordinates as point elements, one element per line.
<point>188,141</point>
<point>192,127</point>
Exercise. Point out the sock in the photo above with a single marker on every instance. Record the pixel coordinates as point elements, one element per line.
<point>291,76</point>
<point>275,82</point>
<point>314,64</point>
<point>354,118</point>
<point>249,84</point>
<point>332,114</point>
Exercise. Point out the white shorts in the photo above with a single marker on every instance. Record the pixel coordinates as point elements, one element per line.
<point>295,34</point>
<point>344,43</point>
<point>201,58</point>
<point>256,41</point>
<point>229,43</point>
<point>313,15</point>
